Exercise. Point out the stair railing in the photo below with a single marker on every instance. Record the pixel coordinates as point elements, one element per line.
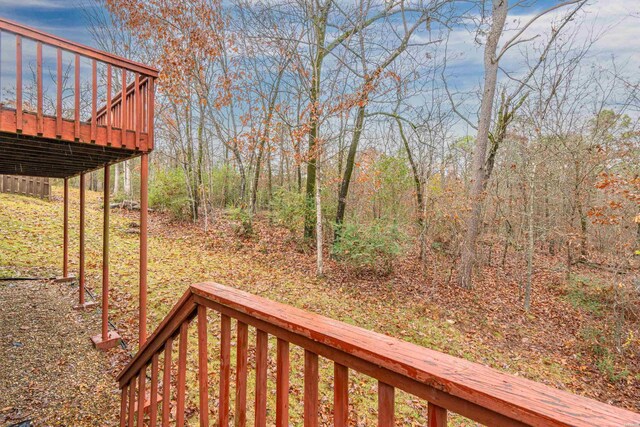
<point>447,383</point>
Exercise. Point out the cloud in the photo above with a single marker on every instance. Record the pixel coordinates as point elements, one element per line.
<point>42,4</point>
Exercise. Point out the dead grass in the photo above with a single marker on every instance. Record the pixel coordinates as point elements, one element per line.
<point>486,325</point>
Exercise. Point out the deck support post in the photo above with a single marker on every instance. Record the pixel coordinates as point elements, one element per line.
<point>65,237</point>
<point>82,304</point>
<point>106,339</point>
<point>144,212</point>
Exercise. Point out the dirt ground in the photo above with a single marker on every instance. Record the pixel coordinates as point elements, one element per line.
<point>49,372</point>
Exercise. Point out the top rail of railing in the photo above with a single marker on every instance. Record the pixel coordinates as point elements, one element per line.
<point>86,51</point>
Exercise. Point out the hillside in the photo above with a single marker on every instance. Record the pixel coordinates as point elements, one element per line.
<point>563,341</point>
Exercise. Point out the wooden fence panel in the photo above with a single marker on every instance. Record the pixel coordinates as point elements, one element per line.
<point>26,185</point>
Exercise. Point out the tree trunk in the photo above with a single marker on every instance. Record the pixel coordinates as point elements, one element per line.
<point>127,179</point>
<point>499,14</point>
<point>531,241</point>
<point>314,119</point>
<point>348,170</point>
<point>319,235</point>
<point>116,179</point>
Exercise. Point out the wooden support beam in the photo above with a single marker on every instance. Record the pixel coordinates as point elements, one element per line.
<point>144,213</point>
<point>107,339</point>
<point>82,304</point>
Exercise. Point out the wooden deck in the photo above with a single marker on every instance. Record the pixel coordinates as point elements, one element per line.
<point>114,128</point>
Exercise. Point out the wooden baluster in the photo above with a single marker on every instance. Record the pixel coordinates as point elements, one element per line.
<point>76,133</point>
<point>132,401</point>
<point>153,398</point>
<point>340,395</point>
<point>59,95</point>
<point>386,401</point>
<point>225,369</point>
<point>262,349</point>
<point>142,390</point>
<point>241,375</point>
<point>123,109</point>
<point>137,112</point>
<point>123,406</point>
<point>166,382</point>
<point>94,99</point>
<point>202,366</point>
<point>437,416</point>
<point>282,384</point>
<point>310,389</point>
<point>182,374</point>
<point>19,83</point>
<point>108,111</point>
<point>150,113</point>
<point>39,114</point>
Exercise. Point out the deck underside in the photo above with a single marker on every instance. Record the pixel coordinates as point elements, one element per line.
<point>48,150</point>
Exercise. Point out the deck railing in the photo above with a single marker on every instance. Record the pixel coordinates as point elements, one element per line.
<point>130,122</point>
<point>447,383</point>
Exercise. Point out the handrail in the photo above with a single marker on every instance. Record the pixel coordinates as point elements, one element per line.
<point>448,383</point>
<point>74,47</point>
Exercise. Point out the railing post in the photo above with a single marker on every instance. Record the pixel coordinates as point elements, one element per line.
<point>241,374</point>
<point>132,397</point>
<point>108,111</point>
<point>166,382</point>
<point>262,342</point>
<point>182,374</point>
<point>76,108</point>
<point>282,384</point>
<point>386,404</point>
<point>39,114</point>
<point>202,366</point>
<point>59,94</point>
<point>225,369</point>
<point>123,406</point>
<point>310,389</point>
<point>150,107</point>
<point>138,113</point>
<point>142,378</point>
<point>437,416</point>
<point>340,395</point>
<point>18,83</point>
<point>94,99</point>
<point>123,109</point>
<point>153,398</point>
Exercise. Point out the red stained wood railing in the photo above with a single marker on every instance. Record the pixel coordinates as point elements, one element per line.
<point>131,114</point>
<point>447,383</point>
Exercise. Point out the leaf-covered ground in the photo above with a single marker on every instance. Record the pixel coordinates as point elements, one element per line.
<point>553,343</point>
<point>49,372</point>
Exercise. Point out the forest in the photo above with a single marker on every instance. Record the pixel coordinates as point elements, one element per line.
<point>355,126</point>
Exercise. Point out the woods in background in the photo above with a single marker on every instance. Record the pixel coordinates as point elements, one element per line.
<point>349,124</point>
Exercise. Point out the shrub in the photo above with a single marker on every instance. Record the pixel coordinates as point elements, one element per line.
<point>168,193</point>
<point>369,247</point>
<point>242,221</point>
<point>288,209</point>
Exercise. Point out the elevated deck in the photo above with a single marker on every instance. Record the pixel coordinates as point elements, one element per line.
<point>88,123</point>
